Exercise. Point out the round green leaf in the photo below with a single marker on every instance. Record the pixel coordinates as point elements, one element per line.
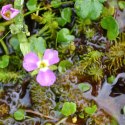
<point>68,108</point>
<point>111,25</point>
<point>64,65</point>
<point>56,3</point>
<point>91,110</point>
<point>84,87</point>
<point>88,8</point>
<point>111,79</point>
<point>19,114</point>
<point>4,61</point>
<point>66,14</point>
<point>64,35</point>
<point>121,4</point>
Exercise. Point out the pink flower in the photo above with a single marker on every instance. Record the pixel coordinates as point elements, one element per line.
<point>7,12</point>
<point>45,76</point>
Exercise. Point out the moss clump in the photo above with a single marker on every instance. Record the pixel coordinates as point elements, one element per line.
<point>4,109</point>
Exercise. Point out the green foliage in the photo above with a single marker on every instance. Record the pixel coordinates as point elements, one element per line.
<point>37,45</point>
<point>56,3</point>
<point>91,110</point>
<point>14,43</point>
<point>19,114</point>
<point>25,48</point>
<point>88,8</point>
<point>111,79</point>
<point>121,4</point>
<point>108,11</point>
<point>96,71</point>
<point>68,108</point>
<point>64,36</point>
<point>48,17</point>
<point>6,76</point>
<point>61,21</point>
<point>115,56</point>
<point>31,4</point>
<point>4,61</point>
<point>64,65</point>
<point>84,87</point>
<point>66,14</point>
<point>111,25</point>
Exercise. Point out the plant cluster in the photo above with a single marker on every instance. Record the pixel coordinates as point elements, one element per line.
<point>60,44</point>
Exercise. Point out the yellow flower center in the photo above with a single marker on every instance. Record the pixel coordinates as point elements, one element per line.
<point>43,65</point>
<point>7,14</point>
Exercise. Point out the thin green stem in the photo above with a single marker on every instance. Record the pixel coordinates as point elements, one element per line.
<point>3,43</point>
<point>41,31</point>
<point>5,35</point>
<point>6,23</point>
<point>4,47</point>
<point>38,9</point>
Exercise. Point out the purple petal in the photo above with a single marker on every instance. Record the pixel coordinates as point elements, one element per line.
<point>51,55</point>
<point>30,61</point>
<point>46,78</point>
<point>14,12</point>
<point>8,12</point>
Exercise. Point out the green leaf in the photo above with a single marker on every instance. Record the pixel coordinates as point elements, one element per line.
<point>88,9</point>
<point>31,4</point>
<point>64,35</point>
<point>4,61</point>
<point>25,48</point>
<point>14,43</point>
<point>37,45</point>
<point>91,110</point>
<point>53,67</point>
<point>56,3</point>
<point>111,79</point>
<point>68,108</point>
<point>84,87</point>
<point>19,114</point>
<point>121,4</point>
<point>64,65</point>
<point>66,14</point>
<point>111,25</point>
<point>61,21</point>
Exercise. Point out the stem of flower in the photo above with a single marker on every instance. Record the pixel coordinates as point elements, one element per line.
<point>6,23</point>
<point>4,47</point>
<point>38,9</point>
<point>41,115</point>
<point>3,43</point>
<point>41,31</point>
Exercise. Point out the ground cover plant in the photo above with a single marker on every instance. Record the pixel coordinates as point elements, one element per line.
<point>62,62</point>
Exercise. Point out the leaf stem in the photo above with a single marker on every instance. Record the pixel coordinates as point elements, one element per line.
<point>41,115</point>
<point>4,47</point>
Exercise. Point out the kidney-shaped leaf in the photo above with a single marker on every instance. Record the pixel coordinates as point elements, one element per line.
<point>64,35</point>
<point>111,25</point>
<point>4,61</point>
<point>88,8</point>
<point>68,108</point>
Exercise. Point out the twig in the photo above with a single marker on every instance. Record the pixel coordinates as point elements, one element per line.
<point>62,120</point>
<point>41,115</point>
